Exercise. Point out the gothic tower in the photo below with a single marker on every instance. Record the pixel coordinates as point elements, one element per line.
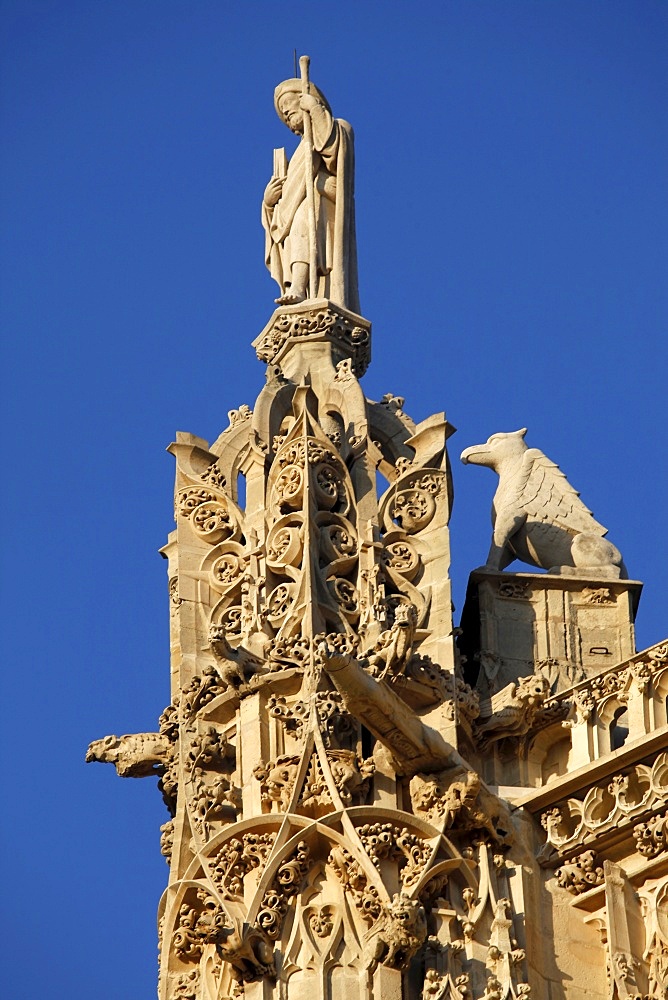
<point>358,804</point>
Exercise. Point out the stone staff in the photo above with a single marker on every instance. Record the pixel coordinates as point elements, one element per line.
<point>304,63</point>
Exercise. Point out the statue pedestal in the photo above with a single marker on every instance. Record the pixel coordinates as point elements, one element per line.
<point>315,321</point>
<point>564,627</point>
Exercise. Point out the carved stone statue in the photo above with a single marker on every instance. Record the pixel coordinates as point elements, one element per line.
<point>537,516</point>
<point>394,647</point>
<point>285,206</point>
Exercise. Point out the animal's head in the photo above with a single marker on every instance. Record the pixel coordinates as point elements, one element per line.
<point>216,632</point>
<point>426,792</point>
<point>408,915</point>
<point>405,615</point>
<point>105,751</point>
<point>532,690</point>
<point>499,449</point>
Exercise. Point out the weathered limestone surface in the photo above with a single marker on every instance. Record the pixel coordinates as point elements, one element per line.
<point>564,628</point>
<point>357,808</point>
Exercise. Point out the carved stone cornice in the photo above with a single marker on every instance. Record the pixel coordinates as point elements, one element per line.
<point>536,800</point>
<point>609,811</point>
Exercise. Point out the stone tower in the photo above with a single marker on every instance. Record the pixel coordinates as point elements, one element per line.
<point>358,806</point>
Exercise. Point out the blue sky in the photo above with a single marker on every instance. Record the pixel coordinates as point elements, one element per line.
<point>512,221</point>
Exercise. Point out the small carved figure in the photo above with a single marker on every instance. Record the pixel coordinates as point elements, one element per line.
<point>235,666</point>
<point>397,934</point>
<point>460,800</point>
<point>137,755</point>
<point>278,778</point>
<point>248,950</point>
<point>210,748</point>
<point>511,711</point>
<point>494,990</point>
<point>351,775</point>
<point>329,160</point>
<point>537,516</point>
<point>394,648</point>
<point>212,801</point>
<point>438,800</point>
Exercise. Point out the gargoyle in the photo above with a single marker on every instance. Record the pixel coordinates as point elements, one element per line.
<point>414,746</point>
<point>394,648</point>
<point>537,516</point>
<point>511,711</point>
<point>235,666</point>
<point>137,755</point>
<point>397,934</point>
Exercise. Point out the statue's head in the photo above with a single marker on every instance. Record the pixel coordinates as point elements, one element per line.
<point>286,102</point>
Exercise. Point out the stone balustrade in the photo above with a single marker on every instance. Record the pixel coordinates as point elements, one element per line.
<point>600,715</point>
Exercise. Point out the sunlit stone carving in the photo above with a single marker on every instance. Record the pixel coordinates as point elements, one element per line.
<point>358,808</point>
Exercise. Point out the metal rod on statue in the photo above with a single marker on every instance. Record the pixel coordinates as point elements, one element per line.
<point>304,62</point>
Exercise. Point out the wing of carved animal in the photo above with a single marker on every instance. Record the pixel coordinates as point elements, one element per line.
<point>504,701</point>
<point>486,710</point>
<point>497,702</point>
<point>548,496</point>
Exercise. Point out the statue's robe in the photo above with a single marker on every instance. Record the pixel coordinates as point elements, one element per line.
<point>286,223</point>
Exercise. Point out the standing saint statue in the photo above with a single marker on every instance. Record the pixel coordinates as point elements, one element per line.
<point>328,158</point>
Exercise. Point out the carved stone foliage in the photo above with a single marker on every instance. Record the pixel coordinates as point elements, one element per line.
<point>204,502</point>
<point>443,986</point>
<point>336,725</point>
<point>652,837</point>
<point>203,925</point>
<point>167,840</point>
<point>352,338</point>
<point>581,874</point>
<point>349,773</point>
<point>626,797</point>
<point>287,884</point>
<point>385,841</point>
<point>310,498</point>
<point>201,922</point>
<point>236,859</point>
